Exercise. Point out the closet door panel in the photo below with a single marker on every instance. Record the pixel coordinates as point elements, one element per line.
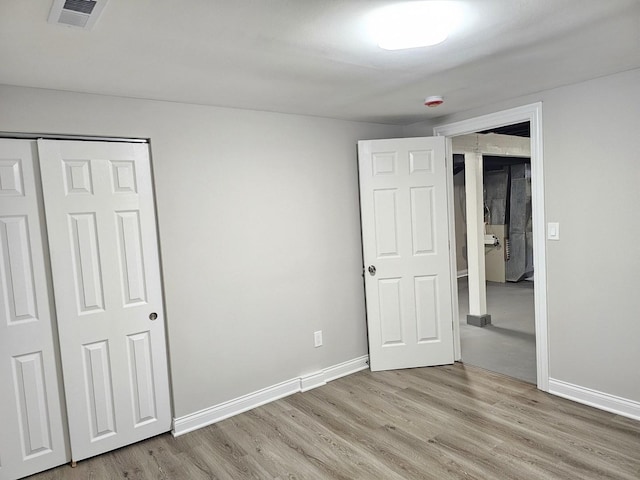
<point>106,274</point>
<point>34,436</point>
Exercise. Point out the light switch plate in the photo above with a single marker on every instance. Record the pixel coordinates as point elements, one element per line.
<point>553,231</point>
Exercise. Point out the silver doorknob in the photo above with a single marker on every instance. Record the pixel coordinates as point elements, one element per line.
<point>372,270</point>
<point>153,316</point>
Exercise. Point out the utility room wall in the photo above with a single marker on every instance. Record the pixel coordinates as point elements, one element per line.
<point>490,144</point>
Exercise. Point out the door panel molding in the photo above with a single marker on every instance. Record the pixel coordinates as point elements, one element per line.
<point>34,435</point>
<point>100,214</point>
<point>405,240</point>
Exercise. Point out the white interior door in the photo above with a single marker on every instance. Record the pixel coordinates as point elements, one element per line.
<point>33,430</point>
<point>106,277</point>
<point>405,235</point>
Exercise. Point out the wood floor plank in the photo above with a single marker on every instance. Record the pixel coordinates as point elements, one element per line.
<point>572,428</point>
<point>396,451</point>
<point>443,423</point>
<point>352,456</point>
<point>528,433</point>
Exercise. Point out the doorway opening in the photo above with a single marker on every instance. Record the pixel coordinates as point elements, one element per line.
<point>533,115</point>
<point>506,345</point>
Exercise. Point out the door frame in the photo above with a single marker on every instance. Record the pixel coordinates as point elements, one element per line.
<point>531,113</point>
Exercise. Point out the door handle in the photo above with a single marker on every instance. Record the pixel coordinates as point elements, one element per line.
<point>372,270</point>
<point>153,316</point>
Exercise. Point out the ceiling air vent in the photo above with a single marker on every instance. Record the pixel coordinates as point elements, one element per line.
<point>76,13</point>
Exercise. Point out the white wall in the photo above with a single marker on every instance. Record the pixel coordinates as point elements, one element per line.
<point>259,233</point>
<point>592,188</point>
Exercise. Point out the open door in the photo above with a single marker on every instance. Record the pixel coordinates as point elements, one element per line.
<point>405,237</point>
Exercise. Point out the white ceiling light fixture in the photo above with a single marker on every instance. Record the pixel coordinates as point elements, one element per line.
<point>415,24</point>
<point>433,101</point>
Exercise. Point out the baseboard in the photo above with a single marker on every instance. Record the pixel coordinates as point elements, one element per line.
<point>463,273</point>
<point>194,421</point>
<point>594,398</point>
<point>317,379</point>
<point>346,368</point>
<point>313,380</point>
<point>216,413</point>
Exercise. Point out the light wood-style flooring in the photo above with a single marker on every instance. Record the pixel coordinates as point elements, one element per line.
<point>451,422</point>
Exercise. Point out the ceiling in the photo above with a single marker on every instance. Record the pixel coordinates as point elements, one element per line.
<point>316,57</point>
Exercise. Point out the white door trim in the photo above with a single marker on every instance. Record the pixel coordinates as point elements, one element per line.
<point>533,114</point>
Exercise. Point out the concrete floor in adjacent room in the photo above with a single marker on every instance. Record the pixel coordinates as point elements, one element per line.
<point>508,345</point>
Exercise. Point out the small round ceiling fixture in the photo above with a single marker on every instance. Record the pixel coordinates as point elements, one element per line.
<point>433,101</point>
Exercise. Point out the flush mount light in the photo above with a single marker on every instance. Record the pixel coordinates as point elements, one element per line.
<point>433,101</point>
<point>414,24</point>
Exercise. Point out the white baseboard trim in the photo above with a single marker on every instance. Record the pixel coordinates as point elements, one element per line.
<point>194,421</point>
<point>346,368</point>
<point>313,380</point>
<point>216,413</point>
<point>594,398</point>
<point>463,273</point>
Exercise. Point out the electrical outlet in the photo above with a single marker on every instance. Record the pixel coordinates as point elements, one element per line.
<point>317,338</point>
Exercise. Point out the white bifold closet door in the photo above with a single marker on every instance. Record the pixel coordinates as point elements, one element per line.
<point>33,435</point>
<point>106,277</point>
